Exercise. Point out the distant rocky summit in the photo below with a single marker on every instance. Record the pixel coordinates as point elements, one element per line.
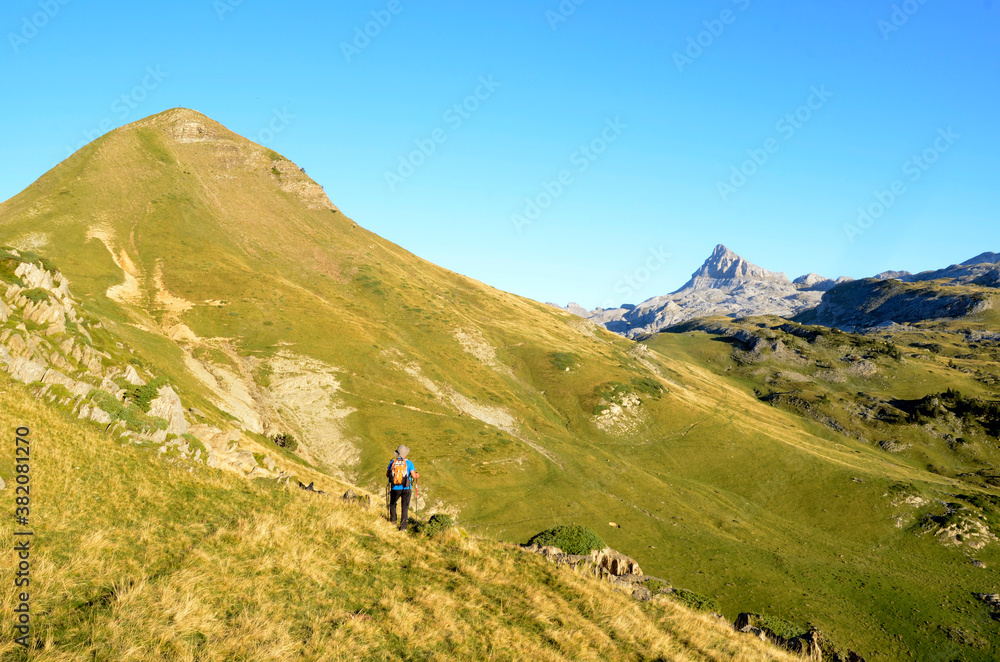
<point>726,284</point>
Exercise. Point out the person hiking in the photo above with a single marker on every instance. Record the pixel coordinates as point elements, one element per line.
<point>401,474</point>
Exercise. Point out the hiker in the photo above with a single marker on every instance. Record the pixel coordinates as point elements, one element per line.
<point>402,475</point>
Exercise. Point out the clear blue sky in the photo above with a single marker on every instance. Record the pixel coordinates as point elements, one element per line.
<point>681,125</point>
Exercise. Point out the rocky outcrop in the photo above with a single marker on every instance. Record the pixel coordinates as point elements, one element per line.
<point>868,303</point>
<point>991,600</point>
<point>167,405</point>
<point>59,357</point>
<point>602,562</point>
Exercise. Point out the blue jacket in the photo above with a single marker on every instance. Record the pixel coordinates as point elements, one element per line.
<point>409,471</point>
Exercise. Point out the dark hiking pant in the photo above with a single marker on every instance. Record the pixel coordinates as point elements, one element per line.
<point>402,496</point>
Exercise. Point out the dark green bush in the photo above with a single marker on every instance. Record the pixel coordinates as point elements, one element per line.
<point>647,385</point>
<point>777,626</point>
<point>563,360</point>
<point>36,295</point>
<point>571,539</point>
<point>694,601</point>
<point>438,523</point>
<point>142,396</point>
<point>285,440</point>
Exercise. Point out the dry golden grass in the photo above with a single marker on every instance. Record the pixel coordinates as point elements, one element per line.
<point>137,559</point>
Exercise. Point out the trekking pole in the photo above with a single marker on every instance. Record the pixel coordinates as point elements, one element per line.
<point>416,497</point>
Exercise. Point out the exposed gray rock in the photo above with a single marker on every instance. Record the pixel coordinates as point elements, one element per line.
<point>245,461</point>
<point>992,599</point>
<point>100,416</point>
<point>892,275</point>
<point>577,310</point>
<point>132,377</point>
<point>983,258</point>
<point>167,405</point>
<point>34,276</point>
<point>26,371</point>
<point>870,302</point>
<point>78,389</point>
<point>642,594</point>
<point>3,485</point>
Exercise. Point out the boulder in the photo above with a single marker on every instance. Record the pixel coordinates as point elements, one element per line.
<point>167,405</point>
<point>642,594</point>
<point>245,462</point>
<point>78,389</point>
<point>615,563</point>
<point>3,485</point>
<point>364,501</point>
<point>98,415</point>
<point>132,377</point>
<point>26,371</point>
<point>992,599</point>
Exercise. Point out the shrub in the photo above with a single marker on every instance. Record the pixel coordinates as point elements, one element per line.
<point>59,392</point>
<point>438,523</point>
<point>563,360</point>
<point>194,443</point>
<point>647,385</point>
<point>143,396</point>
<point>571,539</point>
<point>694,601</point>
<point>36,295</point>
<point>285,440</point>
<point>778,627</point>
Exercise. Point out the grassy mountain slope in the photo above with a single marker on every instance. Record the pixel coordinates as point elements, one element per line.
<point>228,272</point>
<point>912,546</point>
<point>136,558</point>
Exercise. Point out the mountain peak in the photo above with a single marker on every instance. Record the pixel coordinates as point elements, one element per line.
<point>183,125</point>
<point>725,265</point>
<point>982,258</point>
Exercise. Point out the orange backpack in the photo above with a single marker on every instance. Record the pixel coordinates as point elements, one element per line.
<point>399,472</point>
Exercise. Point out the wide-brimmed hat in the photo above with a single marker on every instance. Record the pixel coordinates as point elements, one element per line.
<point>402,452</point>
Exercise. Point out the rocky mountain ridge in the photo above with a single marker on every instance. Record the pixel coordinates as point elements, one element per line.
<point>728,285</point>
